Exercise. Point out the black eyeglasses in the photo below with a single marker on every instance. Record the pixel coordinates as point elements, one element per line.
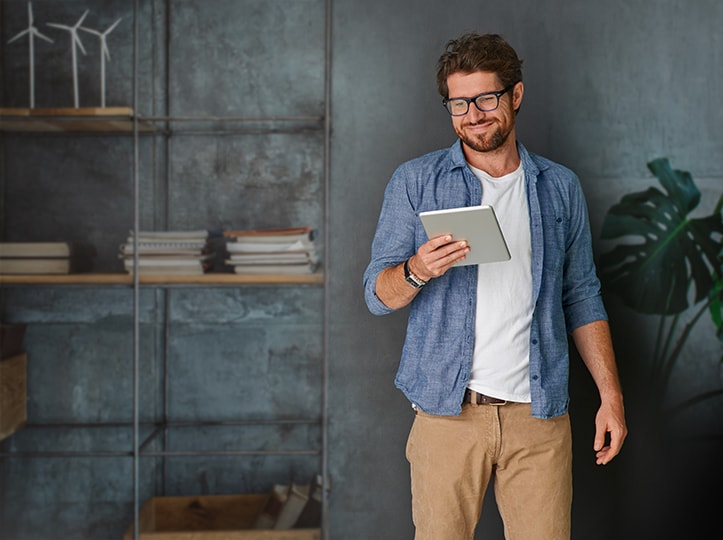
<point>485,102</point>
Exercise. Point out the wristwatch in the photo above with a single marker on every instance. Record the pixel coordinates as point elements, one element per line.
<point>413,280</point>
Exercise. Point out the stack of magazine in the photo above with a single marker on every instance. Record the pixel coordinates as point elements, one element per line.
<point>168,252</point>
<point>272,251</point>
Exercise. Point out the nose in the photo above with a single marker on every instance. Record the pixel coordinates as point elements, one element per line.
<point>474,115</point>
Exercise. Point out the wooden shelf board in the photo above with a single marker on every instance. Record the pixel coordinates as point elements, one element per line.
<point>219,278</point>
<point>317,278</point>
<point>65,279</point>
<point>68,112</point>
<point>63,120</point>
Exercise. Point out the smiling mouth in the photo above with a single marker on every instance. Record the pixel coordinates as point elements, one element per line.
<point>480,125</point>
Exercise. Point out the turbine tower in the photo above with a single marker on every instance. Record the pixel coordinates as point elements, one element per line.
<point>31,32</point>
<point>104,54</point>
<point>74,42</point>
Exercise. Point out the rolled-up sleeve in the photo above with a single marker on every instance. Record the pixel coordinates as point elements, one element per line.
<point>395,237</point>
<point>581,294</point>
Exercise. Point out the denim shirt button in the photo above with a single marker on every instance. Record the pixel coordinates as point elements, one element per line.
<point>534,342</point>
<point>535,377</point>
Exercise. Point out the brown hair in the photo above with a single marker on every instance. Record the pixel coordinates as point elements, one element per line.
<point>474,52</point>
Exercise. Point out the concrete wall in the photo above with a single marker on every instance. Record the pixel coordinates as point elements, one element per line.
<point>609,86</point>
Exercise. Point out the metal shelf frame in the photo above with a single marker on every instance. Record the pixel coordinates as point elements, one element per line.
<point>53,122</point>
<point>241,124</point>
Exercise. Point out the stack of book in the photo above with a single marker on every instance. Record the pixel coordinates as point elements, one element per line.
<point>45,257</point>
<point>272,251</point>
<point>168,252</point>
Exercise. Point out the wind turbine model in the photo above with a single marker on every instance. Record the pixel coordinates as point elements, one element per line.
<point>74,41</point>
<point>31,32</point>
<point>104,54</point>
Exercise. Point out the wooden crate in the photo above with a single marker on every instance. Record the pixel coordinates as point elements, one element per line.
<point>209,517</point>
<point>13,394</point>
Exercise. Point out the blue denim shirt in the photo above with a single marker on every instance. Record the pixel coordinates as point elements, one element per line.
<point>437,354</point>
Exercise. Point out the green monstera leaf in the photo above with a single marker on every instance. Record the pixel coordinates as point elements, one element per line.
<point>716,306</point>
<point>664,250</point>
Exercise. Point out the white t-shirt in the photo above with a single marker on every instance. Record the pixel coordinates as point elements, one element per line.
<point>501,360</point>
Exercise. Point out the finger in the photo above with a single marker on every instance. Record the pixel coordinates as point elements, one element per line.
<point>603,457</point>
<point>439,241</point>
<point>606,454</point>
<point>616,441</point>
<point>440,253</point>
<point>599,441</point>
<point>451,253</point>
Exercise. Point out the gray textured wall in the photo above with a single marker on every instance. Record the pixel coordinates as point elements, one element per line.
<point>609,86</point>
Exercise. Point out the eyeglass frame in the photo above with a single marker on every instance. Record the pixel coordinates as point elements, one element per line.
<point>474,99</point>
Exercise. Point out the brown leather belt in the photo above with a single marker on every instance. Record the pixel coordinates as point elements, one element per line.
<point>470,396</point>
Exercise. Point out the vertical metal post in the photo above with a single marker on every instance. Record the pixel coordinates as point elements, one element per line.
<point>136,284</point>
<point>167,157</point>
<point>327,270</point>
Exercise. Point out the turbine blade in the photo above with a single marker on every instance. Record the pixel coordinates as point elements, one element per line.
<point>82,17</point>
<point>18,36</point>
<point>90,31</point>
<point>77,41</point>
<point>112,26</point>
<point>41,36</point>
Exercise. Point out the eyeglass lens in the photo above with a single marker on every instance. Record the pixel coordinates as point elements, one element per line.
<point>485,103</point>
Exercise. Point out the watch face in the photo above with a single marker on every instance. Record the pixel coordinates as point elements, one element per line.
<point>413,282</point>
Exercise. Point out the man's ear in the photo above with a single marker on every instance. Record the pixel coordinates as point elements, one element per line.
<point>517,92</point>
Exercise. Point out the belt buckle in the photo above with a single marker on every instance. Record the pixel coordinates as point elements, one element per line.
<point>498,403</point>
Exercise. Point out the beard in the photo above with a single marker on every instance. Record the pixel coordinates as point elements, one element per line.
<point>484,143</point>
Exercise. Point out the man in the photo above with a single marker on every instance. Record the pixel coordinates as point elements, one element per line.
<point>485,360</point>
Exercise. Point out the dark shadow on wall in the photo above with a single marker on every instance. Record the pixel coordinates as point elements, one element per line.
<point>663,485</point>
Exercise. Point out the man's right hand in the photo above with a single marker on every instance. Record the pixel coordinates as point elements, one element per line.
<point>437,255</point>
<point>433,259</point>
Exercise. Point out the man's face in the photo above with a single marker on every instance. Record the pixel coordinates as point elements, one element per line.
<point>484,131</point>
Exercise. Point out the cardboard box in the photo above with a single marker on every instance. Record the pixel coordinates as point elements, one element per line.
<point>209,517</point>
<point>13,394</point>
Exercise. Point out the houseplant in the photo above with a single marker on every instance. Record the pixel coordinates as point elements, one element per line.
<point>668,264</point>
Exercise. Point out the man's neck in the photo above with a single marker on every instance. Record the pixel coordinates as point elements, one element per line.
<point>496,163</point>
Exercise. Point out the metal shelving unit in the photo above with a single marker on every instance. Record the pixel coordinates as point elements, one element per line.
<point>140,434</point>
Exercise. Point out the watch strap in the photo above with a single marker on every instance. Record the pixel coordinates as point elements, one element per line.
<point>411,278</point>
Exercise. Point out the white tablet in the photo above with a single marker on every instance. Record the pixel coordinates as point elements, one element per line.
<point>476,224</point>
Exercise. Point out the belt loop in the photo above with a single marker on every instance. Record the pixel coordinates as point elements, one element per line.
<point>474,399</point>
